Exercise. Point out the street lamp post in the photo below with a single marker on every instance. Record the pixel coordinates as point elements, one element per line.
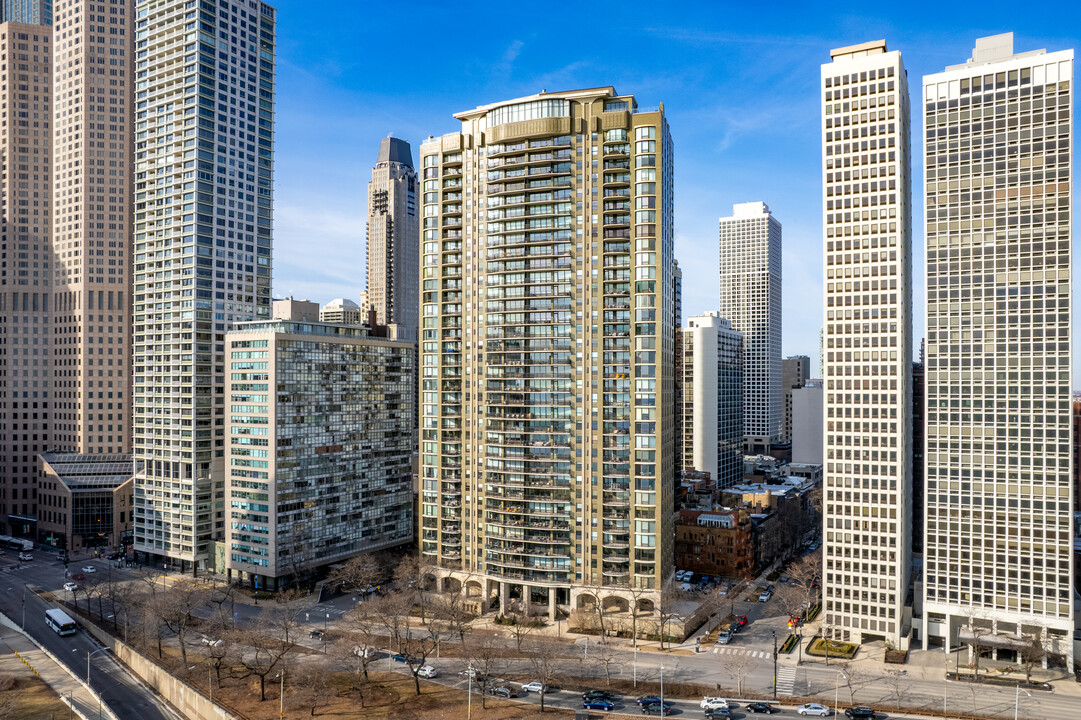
<point>325,621</point>
<point>1017,700</point>
<point>635,675</point>
<point>89,654</point>
<point>946,688</point>
<point>774,664</point>
<point>469,694</point>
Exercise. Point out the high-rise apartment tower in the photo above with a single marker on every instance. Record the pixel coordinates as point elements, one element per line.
<point>712,406</point>
<point>867,370</point>
<point>546,378</point>
<point>751,301</point>
<point>40,12</point>
<point>795,371</point>
<point>203,193</point>
<point>999,524</point>
<point>393,237</point>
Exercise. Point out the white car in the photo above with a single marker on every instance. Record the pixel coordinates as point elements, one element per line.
<point>70,586</point>
<point>713,703</point>
<point>535,686</point>
<point>428,672</point>
<point>365,652</point>
<point>89,569</point>
<point>813,709</point>
<point>25,556</point>
<point>210,642</point>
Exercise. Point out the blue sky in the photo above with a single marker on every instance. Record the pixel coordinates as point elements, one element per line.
<point>738,81</point>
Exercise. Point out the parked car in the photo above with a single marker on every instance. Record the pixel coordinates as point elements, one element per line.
<point>765,596</point>
<point>471,673</point>
<point>724,637</point>
<point>26,556</point>
<point>428,672</point>
<point>713,703</point>
<point>646,699</point>
<point>503,691</point>
<point>657,708</point>
<point>315,634</point>
<point>860,712</point>
<point>70,586</point>
<point>597,695</point>
<point>116,556</point>
<point>813,709</point>
<point>366,652</point>
<point>534,686</point>
<point>685,587</point>
<point>62,557</point>
<point>89,569</point>
<point>210,642</point>
<point>598,704</point>
<point>761,707</point>
<point>403,658</point>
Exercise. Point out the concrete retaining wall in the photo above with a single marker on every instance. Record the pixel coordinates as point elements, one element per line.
<point>192,703</point>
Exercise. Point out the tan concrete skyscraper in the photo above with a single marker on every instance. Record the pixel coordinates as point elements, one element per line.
<point>26,381</point>
<point>999,525</point>
<point>546,351</point>
<point>92,146</point>
<point>393,237</point>
<point>866,210</point>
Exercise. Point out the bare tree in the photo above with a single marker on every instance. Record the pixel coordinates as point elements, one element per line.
<point>367,622</point>
<point>1031,654</point>
<point>521,628</point>
<point>420,648</point>
<point>606,656</point>
<point>667,608</point>
<point>175,608</point>
<point>979,629</point>
<point>360,572</point>
<point>318,688</point>
<point>637,593</point>
<point>270,641</point>
<point>453,611</point>
<point>897,682</point>
<point>854,677</point>
<point>393,612</point>
<point>409,580</point>
<point>221,646</point>
<point>544,658</point>
<point>483,658</point>
<point>355,659</point>
<point>739,666</point>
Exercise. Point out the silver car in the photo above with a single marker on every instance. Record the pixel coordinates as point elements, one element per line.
<point>813,709</point>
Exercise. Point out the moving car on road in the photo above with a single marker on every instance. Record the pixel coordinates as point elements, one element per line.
<point>428,672</point>
<point>597,695</point>
<point>761,707</point>
<point>740,622</point>
<point>535,686</point>
<point>70,586</point>
<point>503,692</point>
<point>89,569</point>
<point>713,703</point>
<point>860,712</point>
<point>646,699</point>
<point>657,708</point>
<point>813,709</point>
<point>724,637</point>
<point>598,704</point>
<point>26,556</point>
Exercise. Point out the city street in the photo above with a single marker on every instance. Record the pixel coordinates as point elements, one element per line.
<point>122,692</point>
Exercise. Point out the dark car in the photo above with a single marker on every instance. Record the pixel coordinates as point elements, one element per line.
<point>861,712</point>
<point>315,634</point>
<point>646,699</point>
<point>403,658</point>
<point>657,708</point>
<point>596,695</point>
<point>761,707</point>
<point>504,692</point>
<point>598,704</point>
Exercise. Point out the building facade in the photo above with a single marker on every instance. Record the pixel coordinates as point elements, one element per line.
<point>317,466</point>
<point>393,237</point>
<point>998,198</point>
<point>203,223</point>
<point>751,301</point>
<point>341,311</point>
<point>31,12</point>
<point>712,409</point>
<point>868,319</point>
<point>546,351</point>
<point>795,371</point>
<point>26,279</point>
<point>85,501</point>
<point>808,410</point>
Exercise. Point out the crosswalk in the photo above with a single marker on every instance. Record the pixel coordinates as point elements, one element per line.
<point>726,649</point>
<point>786,679</point>
<point>321,611</point>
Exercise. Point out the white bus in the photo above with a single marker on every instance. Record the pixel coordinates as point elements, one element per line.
<point>59,621</point>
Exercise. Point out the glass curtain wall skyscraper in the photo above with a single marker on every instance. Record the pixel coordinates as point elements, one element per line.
<point>546,349</point>
<point>203,191</point>
<point>868,354</point>
<point>31,12</point>
<point>393,237</point>
<point>999,524</point>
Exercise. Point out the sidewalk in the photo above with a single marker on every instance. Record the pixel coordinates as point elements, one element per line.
<point>55,676</point>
